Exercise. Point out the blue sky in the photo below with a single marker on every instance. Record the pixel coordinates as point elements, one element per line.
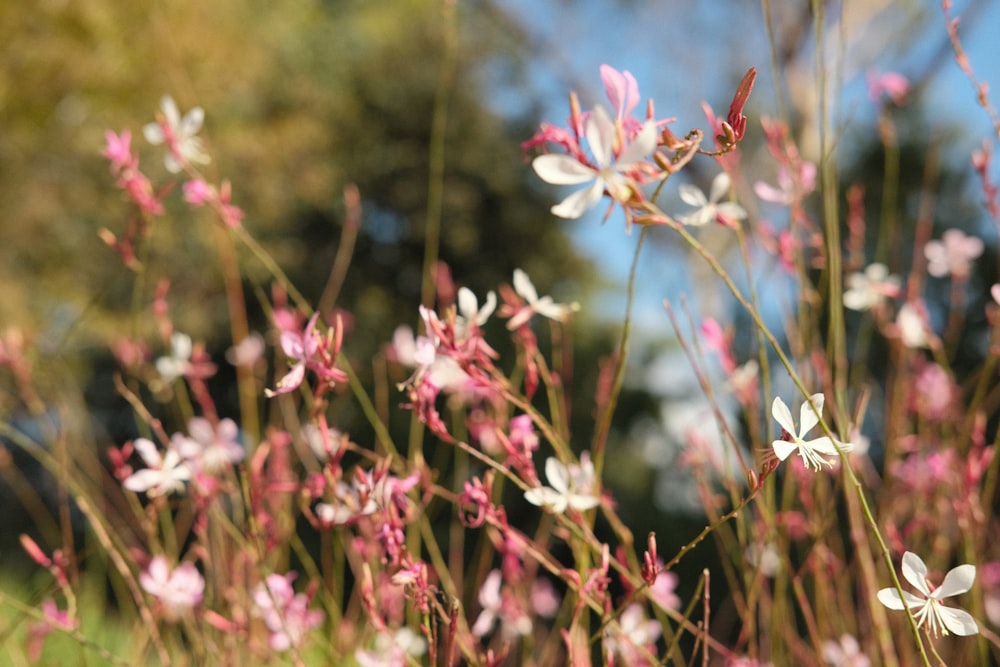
<point>683,53</point>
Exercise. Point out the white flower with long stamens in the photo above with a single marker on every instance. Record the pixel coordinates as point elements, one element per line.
<point>811,451</point>
<point>710,208</point>
<point>572,486</point>
<point>929,609</point>
<point>609,174</point>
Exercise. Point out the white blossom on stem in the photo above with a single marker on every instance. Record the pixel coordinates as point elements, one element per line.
<point>811,451</point>
<point>927,608</point>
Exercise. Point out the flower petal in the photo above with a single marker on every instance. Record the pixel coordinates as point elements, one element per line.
<point>562,170</point>
<point>890,598</point>
<point>641,147</point>
<point>557,474</point>
<point>720,187</point>
<point>915,572</point>
<point>807,416</point>
<point>601,136</point>
<point>957,581</point>
<point>783,448</point>
<point>957,621</point>
<point>579,202</point>
<point>524,287</point>
<point>782,415</point>
<point>691,195</point>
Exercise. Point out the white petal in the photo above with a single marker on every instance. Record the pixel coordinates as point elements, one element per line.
<point>782,415</point>
<point>782,448</point>
<point>691,195</point>
<point>583,502</point>
<point>600,136</point>
<point>192,121</point>
<point>642,146</point>
<point>915,572</point>
<point>148,451</point>
<point>890,598</point>
<point>807,416</point>
<point>543,496</point>
<point>524,287</point>
<point>580,202</point>
<point>153,133</point>
<point>557,474</point>
<point>468,304</point>
<point>169,108</point>
<point>957,581</point>
<point>562,170</point>
<point>720,187</point>
<point>957,621</point>
<point>731,210</point>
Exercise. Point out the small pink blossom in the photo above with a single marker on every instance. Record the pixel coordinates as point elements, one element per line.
<point>891,84</point>
<point>953,254</point>
<point>177,591</point>
<point>54,619</point>
<point>119,151</point>
<point>198,193</point>
<point>868,289</point>
<point>789,189</point>
<point>845,653</point>
<point>497,605</point>
<point>286,613</point>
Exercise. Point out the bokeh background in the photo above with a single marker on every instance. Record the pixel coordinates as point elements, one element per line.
<point>304,98</point>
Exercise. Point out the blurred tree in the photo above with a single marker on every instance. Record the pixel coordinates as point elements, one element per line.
<point>301,99</point>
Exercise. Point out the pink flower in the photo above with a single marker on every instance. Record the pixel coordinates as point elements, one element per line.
<point>163,475</point>
<point>845,653</point>
<point>623,93</point>
<point>197,192</point>
<point>308,349</point>
<point>285,613</point>
<point>789,189</point>
<point>54,620</point>
<point>663,590</point>
<point>868,289</point>
<point>178,591</point>
<point>891,84</point>
<point>119,151</point>
<point>497,606</point>
<point>953,254</point>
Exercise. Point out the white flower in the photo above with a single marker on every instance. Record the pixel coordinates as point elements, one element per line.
<point>708,208</point>
<point>870,288</point>
<point>608,175</point>
<point>913,329</point>
<point>163,475</point>
<point>929,608</point>
<point>845,653</point>
<point>572,486</point>
<point>179,362</point>
<point>544,306</point>
<point>208,448</point>
<point>811,451</point>
<point>635,630</point>
<point>469,312</point>
<point>179,134</point>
